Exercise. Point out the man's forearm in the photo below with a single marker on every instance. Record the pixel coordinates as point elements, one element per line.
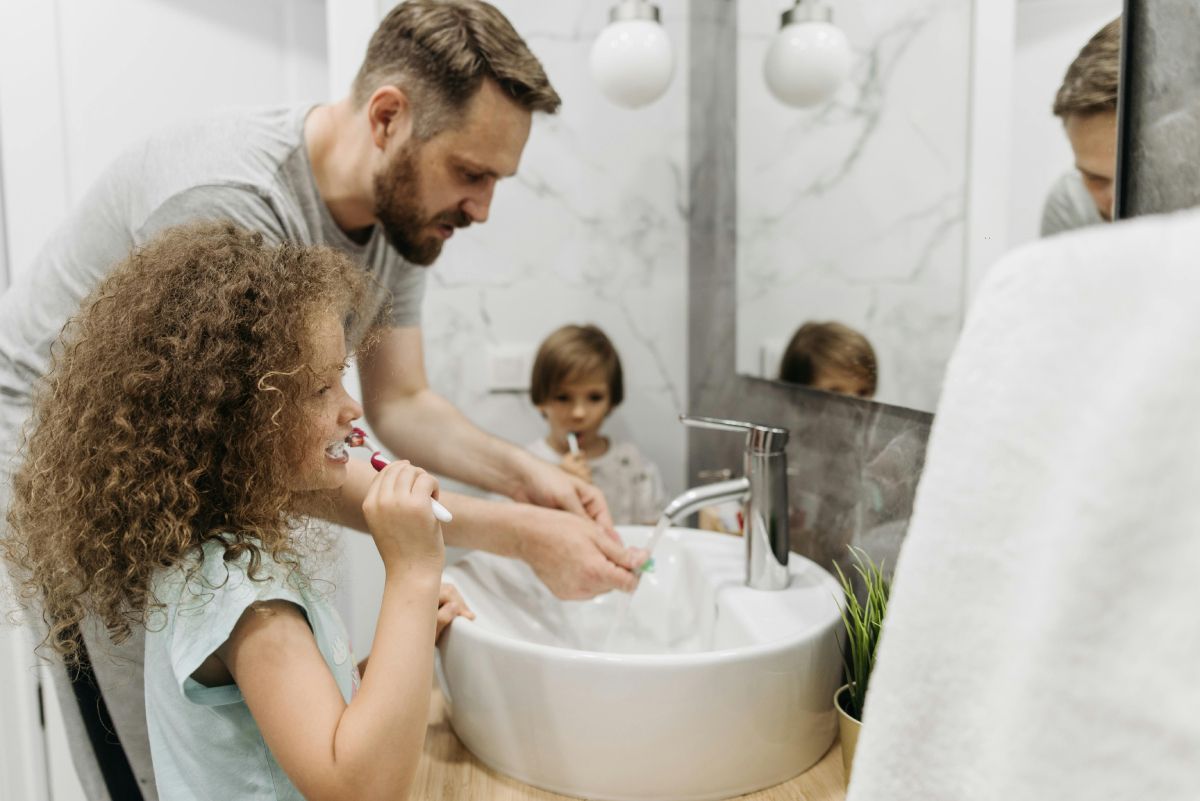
<point>428,430</point>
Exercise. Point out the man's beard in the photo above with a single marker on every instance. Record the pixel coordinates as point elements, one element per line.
<point>399,211</point>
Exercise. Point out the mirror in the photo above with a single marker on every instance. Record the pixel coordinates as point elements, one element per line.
<point>880,210</point>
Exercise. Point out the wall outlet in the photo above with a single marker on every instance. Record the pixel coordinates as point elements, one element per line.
<point>508,367</point>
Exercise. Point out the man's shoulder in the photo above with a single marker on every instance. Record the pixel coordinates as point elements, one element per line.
<point>1068,205</point>
<point>234,147</point>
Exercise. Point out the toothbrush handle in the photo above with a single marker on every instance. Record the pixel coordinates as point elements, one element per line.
<point>439,511</point>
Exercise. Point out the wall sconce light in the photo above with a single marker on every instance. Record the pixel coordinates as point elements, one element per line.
<point>809,58</point>
<point>632,59</point>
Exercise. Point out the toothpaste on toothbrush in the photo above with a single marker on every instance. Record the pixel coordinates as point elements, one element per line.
<point>358,439</point>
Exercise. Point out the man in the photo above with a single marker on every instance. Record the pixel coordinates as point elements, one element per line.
<point>1087,104</point>
<point>439,112</point>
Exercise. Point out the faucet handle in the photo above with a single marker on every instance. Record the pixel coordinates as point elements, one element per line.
<point>759,438</point>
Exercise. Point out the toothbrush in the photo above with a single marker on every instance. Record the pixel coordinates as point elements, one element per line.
<point>357,438</point>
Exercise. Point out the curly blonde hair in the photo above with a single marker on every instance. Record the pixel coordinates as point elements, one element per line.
<point>166,420</point>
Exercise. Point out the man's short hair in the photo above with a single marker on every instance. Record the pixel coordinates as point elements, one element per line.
<point>572,353</point>
<point>816,347</point>
<point>1090,85</point>
<point>440,52</point>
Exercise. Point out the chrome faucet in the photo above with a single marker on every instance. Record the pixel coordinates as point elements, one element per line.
<point>763,494</point>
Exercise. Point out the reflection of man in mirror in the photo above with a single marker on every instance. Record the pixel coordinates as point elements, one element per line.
<point>832,357</point>
<point>1087,104</point>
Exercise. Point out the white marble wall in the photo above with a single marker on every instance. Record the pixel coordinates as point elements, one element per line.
<point>592,229</point>
<point>854,211</point>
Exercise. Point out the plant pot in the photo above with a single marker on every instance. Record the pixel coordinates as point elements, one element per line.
<point>848,728</point>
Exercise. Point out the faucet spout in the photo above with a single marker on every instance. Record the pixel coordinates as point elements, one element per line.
<point>763,493</point>
<point>691,500</point>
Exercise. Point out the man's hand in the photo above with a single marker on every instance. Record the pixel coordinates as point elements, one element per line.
<point>545,485</point>
<point>577,558</point>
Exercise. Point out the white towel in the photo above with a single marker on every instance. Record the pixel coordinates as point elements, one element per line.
<point>1043,639</point>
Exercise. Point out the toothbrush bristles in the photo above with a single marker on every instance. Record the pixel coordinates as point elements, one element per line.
<point>357,438</point>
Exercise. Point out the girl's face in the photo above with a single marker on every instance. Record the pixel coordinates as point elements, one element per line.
<point>329,412</point>
<point>579,405</point>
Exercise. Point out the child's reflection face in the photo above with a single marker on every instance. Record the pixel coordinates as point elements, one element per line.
<point>329,410</point>
<point>580,406</point>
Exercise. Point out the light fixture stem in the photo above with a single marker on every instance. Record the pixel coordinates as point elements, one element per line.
<point>807,11</point>
<point>634,9</point>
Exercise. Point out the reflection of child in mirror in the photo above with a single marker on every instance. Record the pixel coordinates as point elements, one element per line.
<point>832,357</point>
<point>576,384</point>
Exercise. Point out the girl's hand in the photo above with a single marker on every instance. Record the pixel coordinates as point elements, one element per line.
<point>576,464</point>
<point>401,519</point>
<point>450,606</point>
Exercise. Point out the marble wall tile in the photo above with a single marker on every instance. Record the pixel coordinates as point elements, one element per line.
<point>854,464</point>
<point>855,210</point>
<point>592,229</point>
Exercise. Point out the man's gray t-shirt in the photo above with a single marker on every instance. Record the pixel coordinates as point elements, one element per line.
<point>250,167</point>
<point>1069,205</point>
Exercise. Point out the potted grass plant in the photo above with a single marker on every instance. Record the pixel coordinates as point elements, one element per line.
<point>862,618</point>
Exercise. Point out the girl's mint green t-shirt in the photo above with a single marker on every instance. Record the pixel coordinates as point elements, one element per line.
<point>203,740</point>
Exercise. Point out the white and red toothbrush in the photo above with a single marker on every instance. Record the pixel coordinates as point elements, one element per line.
<point>358,439</point>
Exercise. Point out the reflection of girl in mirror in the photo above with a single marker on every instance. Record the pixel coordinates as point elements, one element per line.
<point>831,357</point>
<point>576,383</point>
<point>195,405</point>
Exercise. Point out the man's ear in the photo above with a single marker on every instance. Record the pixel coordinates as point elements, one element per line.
<point>389,114</point>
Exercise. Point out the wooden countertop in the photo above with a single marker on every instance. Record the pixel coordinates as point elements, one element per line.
<point>449,772</point>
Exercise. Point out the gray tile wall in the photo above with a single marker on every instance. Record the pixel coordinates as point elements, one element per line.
<point>1160,137</point>
<point>854,464</point>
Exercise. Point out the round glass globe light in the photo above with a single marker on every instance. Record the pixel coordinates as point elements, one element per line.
<point>632,62</point>
<point>806,63</point>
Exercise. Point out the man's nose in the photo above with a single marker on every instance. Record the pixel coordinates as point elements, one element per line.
<point>478,205</point>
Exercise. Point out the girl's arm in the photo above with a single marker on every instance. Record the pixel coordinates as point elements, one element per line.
<point>367,749</point>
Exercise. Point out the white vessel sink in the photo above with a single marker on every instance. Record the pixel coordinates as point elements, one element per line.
<point>707,690</point>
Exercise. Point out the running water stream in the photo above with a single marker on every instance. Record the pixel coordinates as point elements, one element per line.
<point>626,599</point>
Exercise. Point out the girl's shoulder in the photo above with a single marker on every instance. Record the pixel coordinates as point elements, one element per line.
<point>208,570</point>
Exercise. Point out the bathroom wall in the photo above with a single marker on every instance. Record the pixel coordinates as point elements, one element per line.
<point>854,464</point>
<point>82,80</point>
<point>1160,138</point>
<point>592,229</point>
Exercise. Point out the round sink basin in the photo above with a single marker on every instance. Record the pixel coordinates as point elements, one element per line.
<point>696,687</point>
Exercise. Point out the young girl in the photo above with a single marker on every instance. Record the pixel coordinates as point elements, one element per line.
<point>195,405</point>
<point>576,384</point>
